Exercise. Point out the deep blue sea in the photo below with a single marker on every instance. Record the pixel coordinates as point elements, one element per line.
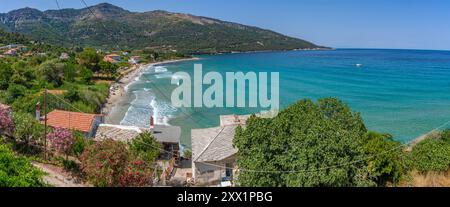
<point>402,92</point>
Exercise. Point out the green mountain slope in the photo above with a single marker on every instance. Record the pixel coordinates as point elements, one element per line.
<point>108,26</point>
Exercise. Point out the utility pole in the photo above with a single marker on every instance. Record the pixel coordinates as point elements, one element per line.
<point>45,124</point>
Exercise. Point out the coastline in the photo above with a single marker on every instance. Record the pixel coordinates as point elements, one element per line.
<point>117,90</point>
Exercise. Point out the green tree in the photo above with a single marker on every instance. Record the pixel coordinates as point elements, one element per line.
<point>72,94</point>
<point>52,72</point>
<point>18,171</point>
<point>89,58</point>
<point>86,75</point>
<point>15,91</point>
<point>27,130</point>
<point>5,75</point>
<point>318,144</point>
<point>384,158</point>
<point>108,68</point>
<point>145,147</point>
<point>23,74</point>
<point>70,71</point>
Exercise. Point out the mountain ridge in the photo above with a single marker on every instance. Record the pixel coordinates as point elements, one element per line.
<point>109,26</point>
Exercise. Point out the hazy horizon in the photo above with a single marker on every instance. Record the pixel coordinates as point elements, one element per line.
<point>345,24</point>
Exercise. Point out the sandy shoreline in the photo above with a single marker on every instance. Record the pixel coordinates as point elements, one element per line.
<point>117,90</point>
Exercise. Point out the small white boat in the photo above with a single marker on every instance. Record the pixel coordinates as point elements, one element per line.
<point>359,65</point>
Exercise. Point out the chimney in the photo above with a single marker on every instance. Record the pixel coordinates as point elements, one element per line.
<point>38,111</point>
<point>152,122</point>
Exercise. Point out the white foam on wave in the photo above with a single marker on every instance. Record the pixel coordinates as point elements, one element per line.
<point>143,107</point>
<point>164,75</point>
<point>160,69</point>
<point>127,86</point>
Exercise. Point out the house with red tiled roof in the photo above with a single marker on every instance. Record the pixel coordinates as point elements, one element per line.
<point>11,52</point>
<point>112,58</point>
<point>83,122</point>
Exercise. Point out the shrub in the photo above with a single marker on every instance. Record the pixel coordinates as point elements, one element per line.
<point>187,154</point>
<point>6,122</point>
<point>18,171</point>
<point>431,155</point>
<point>72,94</point>
<point>79,145</point>
<point>110,164</point>
<point>384,158</point>
<point>14,92</point>
<point>61,140</point>
<point>71,166</point>
<point>27,131</point>
<point>137,174</point>
<point>105,162</point>
<point>445,135</point>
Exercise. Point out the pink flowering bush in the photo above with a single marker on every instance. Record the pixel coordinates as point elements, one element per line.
<point>61,140</point>
<point>104,162</point>
<point>137,174</point>
<point>109,163</point>
<point>6,122</point>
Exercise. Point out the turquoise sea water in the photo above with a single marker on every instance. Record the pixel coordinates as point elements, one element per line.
<point>402,92</point>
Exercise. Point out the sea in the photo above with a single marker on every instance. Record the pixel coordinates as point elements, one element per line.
<point>405,93</point>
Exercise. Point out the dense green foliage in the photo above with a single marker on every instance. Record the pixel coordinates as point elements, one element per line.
<point>159,30</point>
<point>432,154</point>
<point>18,171</point>
<point>145,147</point>
<point>16,38</point>
<point>80,144</point>
<point>27,131</point>
<point>308,144</point>
<point>384,157</point>
<point>22,83</point>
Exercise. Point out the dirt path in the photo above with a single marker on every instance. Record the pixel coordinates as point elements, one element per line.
<point>57,177</point>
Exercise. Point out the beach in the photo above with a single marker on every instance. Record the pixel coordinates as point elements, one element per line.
<point>118,91</point>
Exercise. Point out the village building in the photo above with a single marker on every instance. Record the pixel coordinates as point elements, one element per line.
<point>168,136</point>
<point>213,154</point>
<point>11,52</point>
<point>82,122</point>
<point>112,58</point>
<point>10,46</point>
<point>64,56</point>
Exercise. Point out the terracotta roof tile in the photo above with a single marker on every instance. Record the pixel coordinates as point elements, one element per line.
<point>71,120</point>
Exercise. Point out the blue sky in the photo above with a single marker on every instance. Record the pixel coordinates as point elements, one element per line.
<point>409,24</point>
